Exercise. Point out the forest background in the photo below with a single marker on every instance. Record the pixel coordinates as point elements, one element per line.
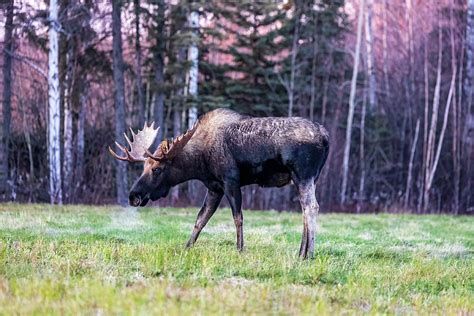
<point>391,80</point>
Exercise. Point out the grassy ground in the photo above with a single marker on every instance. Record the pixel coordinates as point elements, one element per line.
<point>96,260</point>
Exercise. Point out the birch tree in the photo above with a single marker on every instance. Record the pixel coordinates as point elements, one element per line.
<point>54,116</point>
<point>410,164</point>
<point>159,64</point>
<point>192,81</point>
<point>7,94</point>
<point>350,116</point>
<point>193,73</point>
<point>121,168</point>
<point>456,140</point>
<point>433,149</point>
<point>369,43</point>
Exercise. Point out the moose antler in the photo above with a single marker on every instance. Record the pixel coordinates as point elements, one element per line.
<point>168,149</point>
<point>142,140</point>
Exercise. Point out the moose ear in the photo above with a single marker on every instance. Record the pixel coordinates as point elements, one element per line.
<point>161,152</point>
<point>164,146</point>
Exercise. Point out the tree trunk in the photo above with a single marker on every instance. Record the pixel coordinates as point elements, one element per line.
<point>441,136</point>
<point>434,119</point>
<point>313,80</point>
<point>28,146</point>
<point>410,165</point>
<point>80,141</point>
<point>121,167</point>
<point>54,116</point>
<point>177,110</point>
<point>193,76</point>
<point>176,133</point>
<point>138,66</point>
<point>294,53</point>
<point>384,51</point>
<point>363,172</point>
<point>467,146</point>
<point>7,95</point>
<point>469,80</point>
<point>411,49</point>
<point>325,96</point>
<point>350,116</point>
<point>455,117</point>
<point>432,157</point>
<point>369,42</point>
<point>425,127</point>
<point>67,127</point>
<point>159,99</point>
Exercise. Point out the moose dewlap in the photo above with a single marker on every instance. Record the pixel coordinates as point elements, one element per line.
<point>225,151</point>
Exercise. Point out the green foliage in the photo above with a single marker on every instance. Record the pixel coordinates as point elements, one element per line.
<point>247,82</point>
<point>84,260</point>
<point>261,34</point>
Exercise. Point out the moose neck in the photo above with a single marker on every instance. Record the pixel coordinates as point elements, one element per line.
<point>187,165</point>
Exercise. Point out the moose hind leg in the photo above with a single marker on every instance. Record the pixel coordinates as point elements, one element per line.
<point>209,207</point>
<point>310,209</point>
<point>234,196</point>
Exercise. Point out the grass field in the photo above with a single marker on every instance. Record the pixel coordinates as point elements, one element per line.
<point>102,260</point>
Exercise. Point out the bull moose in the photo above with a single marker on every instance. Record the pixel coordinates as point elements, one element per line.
<point>226,150</point>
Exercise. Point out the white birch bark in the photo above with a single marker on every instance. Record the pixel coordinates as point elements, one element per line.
<point>192,83</point>
<point>410,164</point>
<point>193,74</point>
<point>443,130</point>
<point>369,42</point>
<point>433,124</point>
<point>54,115</point>
<point>350,116</point>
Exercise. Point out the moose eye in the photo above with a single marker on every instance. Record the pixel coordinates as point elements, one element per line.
<point>156,171</point>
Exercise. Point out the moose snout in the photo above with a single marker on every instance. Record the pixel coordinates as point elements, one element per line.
<point>134,198</point>
<point>137,198</point>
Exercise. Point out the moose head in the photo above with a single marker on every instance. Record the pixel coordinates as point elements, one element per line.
<point>156,179</point>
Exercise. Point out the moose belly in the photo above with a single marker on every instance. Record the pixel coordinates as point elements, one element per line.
<point>270,173</point>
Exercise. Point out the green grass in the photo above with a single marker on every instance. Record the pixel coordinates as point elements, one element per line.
<point>96,260</point>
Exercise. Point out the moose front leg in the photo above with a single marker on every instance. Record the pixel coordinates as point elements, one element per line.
<point>209,207</point>
<point>234,196</point>
<point>310,209</point>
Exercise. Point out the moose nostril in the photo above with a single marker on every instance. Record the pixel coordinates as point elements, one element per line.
<point>134,199</point>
